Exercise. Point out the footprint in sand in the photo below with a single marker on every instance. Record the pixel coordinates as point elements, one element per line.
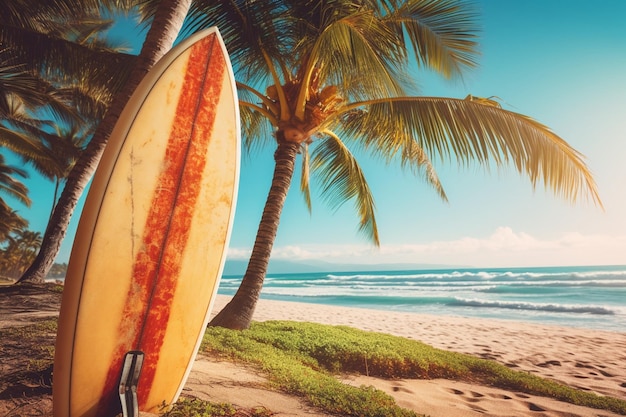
<point>500,396</point>
<point>400,388</point>
<point>606,374</point>
<point>476,397</point>
<point>583,365</point>
<point>471,399</point>
<point>547,364</point>
<point>535,407</point>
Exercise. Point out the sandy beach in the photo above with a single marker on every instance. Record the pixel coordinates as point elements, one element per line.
<point>588,360</point>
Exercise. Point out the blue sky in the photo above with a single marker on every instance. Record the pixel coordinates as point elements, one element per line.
<point>562,62</point>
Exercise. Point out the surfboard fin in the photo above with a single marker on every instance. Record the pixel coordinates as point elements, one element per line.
<point>128,383</point>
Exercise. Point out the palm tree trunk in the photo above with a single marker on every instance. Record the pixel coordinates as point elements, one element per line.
<point>57,185</point>
<point>237,314</point>
<point>160,38</point>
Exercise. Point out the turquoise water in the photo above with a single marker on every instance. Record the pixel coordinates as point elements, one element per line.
<point>588,297</point>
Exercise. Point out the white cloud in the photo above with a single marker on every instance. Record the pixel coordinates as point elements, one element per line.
<point>238,253</point>
<point>504,247</point>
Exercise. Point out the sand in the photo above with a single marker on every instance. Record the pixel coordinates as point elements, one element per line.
<point>589,360</point>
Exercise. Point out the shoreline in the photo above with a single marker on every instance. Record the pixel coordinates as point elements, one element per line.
<point>584,297</point>
<point>454,313</point>
<point>590,360</point>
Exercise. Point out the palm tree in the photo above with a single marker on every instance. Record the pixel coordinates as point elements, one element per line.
<point>36,43</point>
<point>166,17</point>
<point>327,77</point>
<point>9,219</point>
<point>62,149</point>
<point>21,250</point>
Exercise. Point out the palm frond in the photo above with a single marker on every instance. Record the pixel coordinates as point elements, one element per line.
<point>257,132</point>
<point>252,31</point>
<point>9,221</point>
<point>61,60</point>
<point>91,102</point>
<point>9,185</point>
<point>402,147</point>
<point>305,177</point>
<point>471,131</point>
<point>414,157</point>
<point>17,85</point>
<point>360,56</point>
<point>20,142</point>
<point>442,33</point>
<point>342,179</point>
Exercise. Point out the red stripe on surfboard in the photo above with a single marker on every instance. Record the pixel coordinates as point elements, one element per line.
<point>157,265</point>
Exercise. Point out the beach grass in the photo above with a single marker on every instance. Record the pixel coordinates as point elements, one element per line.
<point>305,358</point>
<point>32,348</point>
<point>194,407</point>
<point>40,351</point>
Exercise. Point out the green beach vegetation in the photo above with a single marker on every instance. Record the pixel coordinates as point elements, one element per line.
<point>305,359</point>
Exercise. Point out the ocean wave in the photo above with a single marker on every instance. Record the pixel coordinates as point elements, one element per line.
<point>495,286</point>
<point>484,275</point>
<point>525,286</point>
<point>363,292</point>
<point>455,275</point>
<point>518,305</point>
<point>388,302</point>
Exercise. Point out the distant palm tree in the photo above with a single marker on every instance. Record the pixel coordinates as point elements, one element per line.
<point>10,221</point>
<point>9,185</point>
<point>19,253</point>
<point>63,149</point>
<point>327,77</point>
<point>28,243</point>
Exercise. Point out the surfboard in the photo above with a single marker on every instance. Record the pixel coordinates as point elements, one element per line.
<point>151,241</point>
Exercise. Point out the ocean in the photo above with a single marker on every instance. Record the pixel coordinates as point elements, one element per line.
<point>592,297</point>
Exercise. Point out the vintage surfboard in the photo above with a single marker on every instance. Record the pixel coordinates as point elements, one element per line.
<point>152,238</point>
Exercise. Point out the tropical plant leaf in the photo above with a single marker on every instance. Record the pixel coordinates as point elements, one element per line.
<point>20,143</point>
<point>342,179</point>
<point>305,177</point>
<point>361,58</point>
<point>257,131</point>
<point>56,57</point>
<point>11,186</point>
<point>469,131</point>
<point>442,33</point>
